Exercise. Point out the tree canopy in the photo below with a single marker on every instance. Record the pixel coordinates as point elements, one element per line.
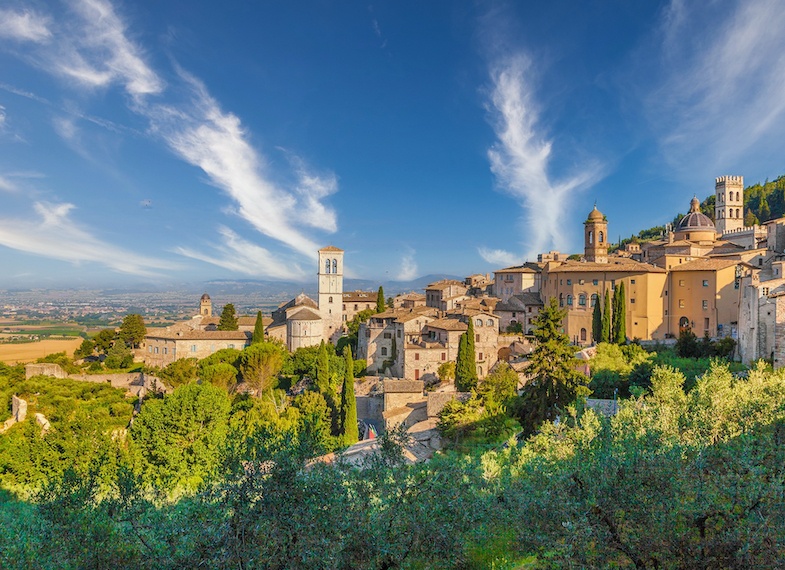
<point>132,330</point>
<point>258,329</point>
<point>228,320</point>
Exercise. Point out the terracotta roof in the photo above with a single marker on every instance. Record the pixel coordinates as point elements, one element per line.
<point>520,301</point>
<point>301,299</point>
<point>516,269</point>
<point>305,315</point>
<point>198,335</point>
<point>359,296</point>
<point>707,265</point>
<point>331,248</point>
<point>448,325</point>
<point>622,265</point>
<point>444,284</point>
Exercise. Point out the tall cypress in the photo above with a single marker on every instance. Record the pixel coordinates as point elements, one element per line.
<point>380,304</point>
<point>349,428</point>
<point>470,340</point>
<point>465,367</point>
<point>606,318</point>
<point>619,316</point>
<point>596,322</point>
<point>323,369</point>
<point>258,329</point>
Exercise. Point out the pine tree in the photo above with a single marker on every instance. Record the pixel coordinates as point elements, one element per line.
<point>228,320</point>
<point>380,304</point>
<point>619,315</point>
<point>764,212</point>
<point>258,329</point>
<point>349,427</point>
<point>596,323</point>
<point>132,330</point>
<point>465,367</point>
<point>323,369</point>
<point>606,318</point>
<point>555,381</point>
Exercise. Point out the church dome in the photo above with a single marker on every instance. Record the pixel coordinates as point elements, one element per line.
<point>205,297</point>
<point>595,215</point>
<point>695,220</point>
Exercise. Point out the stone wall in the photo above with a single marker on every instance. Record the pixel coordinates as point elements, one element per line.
<point>779,331</point>
<point>44,369</point>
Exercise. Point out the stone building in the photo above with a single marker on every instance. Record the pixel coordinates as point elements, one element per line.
<point>182,340</point>
<point>356,301</point>
<point>516,280</point>
<point>445,294</point>
<point>522,308</point>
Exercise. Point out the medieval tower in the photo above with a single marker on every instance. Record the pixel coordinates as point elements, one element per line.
<point>729,203</point>
<point>331,292</point>
<point>596,237</point>
<point>205,306</point>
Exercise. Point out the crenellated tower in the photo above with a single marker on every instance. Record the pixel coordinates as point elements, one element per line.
<point>729,203</point>
<point>596,237</point>
<point>331,292</point>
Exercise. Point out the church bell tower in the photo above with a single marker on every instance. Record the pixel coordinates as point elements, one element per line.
<point>595,241</point>
<point>331,292</point>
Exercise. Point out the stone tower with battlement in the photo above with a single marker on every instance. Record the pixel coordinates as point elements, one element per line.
<point>728,203</point>
<point>595,243</point>
<point>331,292</point>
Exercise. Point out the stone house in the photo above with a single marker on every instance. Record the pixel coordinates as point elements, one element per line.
<point>516,280</point>
<point>445,294</point>
<point>522,308</point>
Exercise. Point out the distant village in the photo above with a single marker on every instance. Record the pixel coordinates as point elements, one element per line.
<point>715,278</point>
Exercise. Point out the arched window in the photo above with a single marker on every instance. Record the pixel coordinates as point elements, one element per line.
<point>561,299</point>
<point>583,335</point>
<point>327,266</point>
<point>591,237</point>
<point>569,300</point>
<point>582,299</point>
<point>594,299</point>
<point>384,351</point>
<point>479,371</point>
<point>737,213</point>
<point>738,196</point>
<point>489,322</point>
<point>478,322</point>
<point>335,266</point>
<point>330,300</point>
<point>602,237</point>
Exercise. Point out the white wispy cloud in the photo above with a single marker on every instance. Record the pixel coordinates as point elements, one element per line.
<point>242,256</point>
<point>521,157</point>
<point>721,81</point>
<point>25,26</point>
<point>408,268</point>
<point>55,235</point>
<point>498,256</point>
<point>7,185</point>
<point>95,51</point>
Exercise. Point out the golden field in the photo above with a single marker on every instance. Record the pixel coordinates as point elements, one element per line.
<point>30,351</point>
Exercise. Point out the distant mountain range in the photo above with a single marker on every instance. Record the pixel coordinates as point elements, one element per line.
<point>277,289</point>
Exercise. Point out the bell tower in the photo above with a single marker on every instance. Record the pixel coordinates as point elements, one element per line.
<point>595,243</point>
<point>205,306</point>
<point>331,292</point>
<point>728,203</point>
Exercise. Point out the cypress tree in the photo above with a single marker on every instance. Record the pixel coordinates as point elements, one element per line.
<point>596,323</point>
<point>323,369</point>
<point>349,428</point>
<point>380,304</point>
<point>606,318</point>
<point>619,316</point>
<point>228,320</point>
<point>258,329</point>
<point>465,367</point>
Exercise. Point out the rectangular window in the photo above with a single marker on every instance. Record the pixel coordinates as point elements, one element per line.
<point>569,281</point>
<point>476,338</point>
<point>765,290</point>
<point>229,346</point>
<point>156,350</point>
<point>399,333</point>
<point>344,306</point>
<point>681,282</point>
<point>166,350</point>
<point>705,304</point>
<point>706,325</point>
<point>193,348</point>
<point>681,303</point>
<point>480,356</point>
<point>705,282</point>
<point>416,374</point>
<point>632,301</point>
<point>595,282</point>
<point>150,348</point>
<point>632,281</point>
<point>530,309</point>
<point>387,335</point>
<point>384,351</point>
<point>417,356</point>
<point>444,356</point>
<point>580,281</point>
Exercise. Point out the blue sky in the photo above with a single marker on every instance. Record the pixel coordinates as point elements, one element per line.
<point>181,140</point>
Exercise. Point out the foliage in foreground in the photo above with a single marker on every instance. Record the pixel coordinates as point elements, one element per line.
<point>675,480</point>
